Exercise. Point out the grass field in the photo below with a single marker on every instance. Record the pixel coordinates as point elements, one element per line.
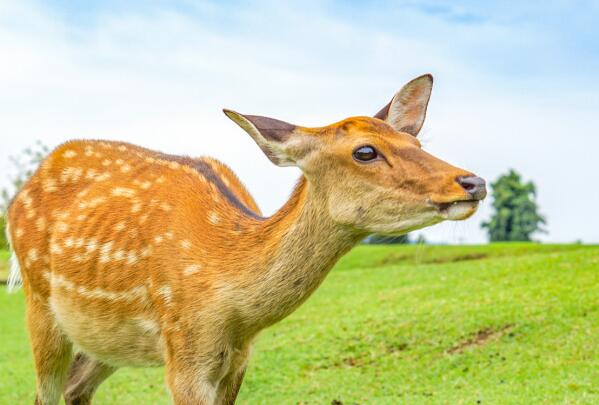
<point>497,324</point>
<point>4,256</point>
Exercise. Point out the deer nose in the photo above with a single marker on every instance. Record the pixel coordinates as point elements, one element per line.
<point>475,186</point>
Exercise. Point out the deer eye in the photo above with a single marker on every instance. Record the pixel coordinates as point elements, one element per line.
<point>365,153</point>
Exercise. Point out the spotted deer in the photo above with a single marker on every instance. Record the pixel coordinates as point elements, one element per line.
<point>131,257</point>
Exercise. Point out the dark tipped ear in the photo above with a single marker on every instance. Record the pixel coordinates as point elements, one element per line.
<point>407,109</point>
<point>271,135</point>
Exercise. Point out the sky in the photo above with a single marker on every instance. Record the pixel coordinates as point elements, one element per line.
<point>515,85</point>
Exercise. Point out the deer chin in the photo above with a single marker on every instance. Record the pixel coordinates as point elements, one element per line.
<point>408,222</point>
<point>457,210</point>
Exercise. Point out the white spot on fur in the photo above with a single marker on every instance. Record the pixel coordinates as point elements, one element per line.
<point>61,226</point>
<point>158,239</point>
<point>192,269</point>
<point>69,242</point>
<point>136,207</point>
<point>96,201</point>
<point>174,165</point>
<point>40,223</point>
<point>55,248</point>
<point>32,254</point>
<point>123,192</point>
<point>105,250</point>
<point>93,203</point>
<point>137,293</point>
<point>165,206</point>
<point>185,244</point>
<point>166,293</point>
<point>120,226</point>
<point>18,232</point>
<point>25,198</point>
<point>169,235</point>
<point>106,162</point>
<point>213,218</point>
<point>102,177</point>
<point>69,153</point>
<point>91,245</point>
<point>160,179</point>
<point>49,185</point>
<point>149,326</point>
<point>119,162</point>
<point>122,148</point>
<point>132,257</point>
<point>125,168</point>
<point>119,255</point>
<point>91,174</point>
<point>71,174</point>
<point>145,252</point>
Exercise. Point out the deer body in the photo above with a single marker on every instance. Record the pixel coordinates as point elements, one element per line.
<point>130,257</point>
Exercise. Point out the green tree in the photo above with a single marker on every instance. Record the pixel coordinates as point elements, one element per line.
<point>516,215</point>
<point>25,164</point>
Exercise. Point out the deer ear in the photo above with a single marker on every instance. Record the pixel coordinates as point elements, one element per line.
<point>272,136</point>
<point>407,109</point>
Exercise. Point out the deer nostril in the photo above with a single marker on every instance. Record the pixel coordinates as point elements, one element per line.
<point>475,186</point>
<point>468,186</point>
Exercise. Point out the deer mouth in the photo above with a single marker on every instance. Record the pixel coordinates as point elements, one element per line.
<point>457,210</point>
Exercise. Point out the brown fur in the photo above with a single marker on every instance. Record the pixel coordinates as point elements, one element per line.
<point>137,258</point>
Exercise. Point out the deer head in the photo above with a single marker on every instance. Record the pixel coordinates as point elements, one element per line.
<point>372,172</point>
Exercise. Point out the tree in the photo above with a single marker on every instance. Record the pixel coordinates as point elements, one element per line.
<point>25,165</point>
<point>516,215</point>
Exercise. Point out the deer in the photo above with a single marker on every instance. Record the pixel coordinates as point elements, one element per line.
<point>130,257</point>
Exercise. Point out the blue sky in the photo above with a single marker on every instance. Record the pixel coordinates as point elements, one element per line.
<point>515,84</point>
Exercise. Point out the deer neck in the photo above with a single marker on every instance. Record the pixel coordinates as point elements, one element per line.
<point>302,243</point>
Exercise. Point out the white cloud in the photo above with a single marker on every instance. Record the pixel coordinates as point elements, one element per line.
<point>159,78</point>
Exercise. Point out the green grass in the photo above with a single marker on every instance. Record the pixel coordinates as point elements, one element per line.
<point>497,324</point>
<point>4,255</point>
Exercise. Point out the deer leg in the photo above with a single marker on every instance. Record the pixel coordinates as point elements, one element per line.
<point>190,386</point>
<point>231,383</point>
<point>194,372</point>
<point>229,387</point>
<point>85,375</point>
<point>51,352</point>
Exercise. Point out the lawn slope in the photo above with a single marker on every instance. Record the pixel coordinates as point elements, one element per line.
<point>498,324</point>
